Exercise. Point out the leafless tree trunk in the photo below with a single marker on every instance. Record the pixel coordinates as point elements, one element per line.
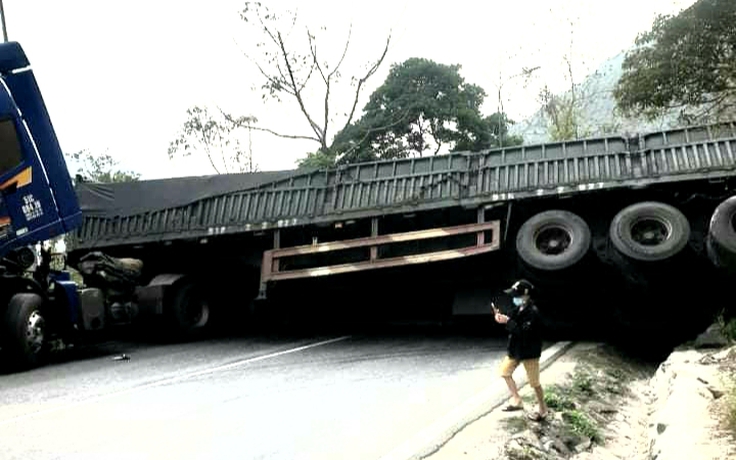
<point>287,72</point>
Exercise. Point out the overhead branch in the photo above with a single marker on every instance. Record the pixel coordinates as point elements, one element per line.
<point>285,136</point>
<point>298,94</point>
<point>372,70</point>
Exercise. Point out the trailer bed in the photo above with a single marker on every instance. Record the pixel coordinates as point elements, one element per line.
<point>202,207</point>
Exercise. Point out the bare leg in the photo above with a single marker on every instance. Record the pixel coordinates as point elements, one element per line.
<point>514,391</point>
<point>540,400</point>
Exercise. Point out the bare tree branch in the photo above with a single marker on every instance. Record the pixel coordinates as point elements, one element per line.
<point>325,79</point>
<point>298,95</point>
<point>365,78</point>
<point>285,136</point>
<point>287,69</point>
<point>369,131</point>
<point>271,80</point>
<point>344,52</point>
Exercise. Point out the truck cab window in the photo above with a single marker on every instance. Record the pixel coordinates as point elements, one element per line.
<point>10,154</point>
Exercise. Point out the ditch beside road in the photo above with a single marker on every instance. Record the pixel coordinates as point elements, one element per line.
<point>606,404</point>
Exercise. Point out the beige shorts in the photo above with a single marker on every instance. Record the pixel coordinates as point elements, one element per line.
<point>509,365</point>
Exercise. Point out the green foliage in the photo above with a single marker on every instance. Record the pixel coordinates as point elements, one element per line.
<point>492,132</point>
<point>559,399</point>
<point>582,382</point>
<point>99,167</point>
<point>421,107</point>
<point>564,113</point>
<point>318,160</point>
<point>684,62</point>
<point>581,424</point>
<point>556,399</point>
<point>216,137</point>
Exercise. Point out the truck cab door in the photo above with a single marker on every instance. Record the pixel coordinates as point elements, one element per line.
<point>37,199</point>
<point>28,213</point>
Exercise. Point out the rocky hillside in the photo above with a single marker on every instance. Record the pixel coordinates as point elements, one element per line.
<point>597,109</point>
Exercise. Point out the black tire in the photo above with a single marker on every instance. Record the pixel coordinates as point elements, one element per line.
<point>649,231</point>
<point>188,310</point>
<point>553,240</point>
<point>24,331</point>
<point>722,234</point>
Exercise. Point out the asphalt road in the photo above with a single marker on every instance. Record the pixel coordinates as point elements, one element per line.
<point>270,397</point>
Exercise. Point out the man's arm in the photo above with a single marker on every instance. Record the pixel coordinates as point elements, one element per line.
<point>513,324</point>
<point>527,321</point>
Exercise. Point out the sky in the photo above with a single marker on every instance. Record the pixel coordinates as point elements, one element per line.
<point>118,77</point>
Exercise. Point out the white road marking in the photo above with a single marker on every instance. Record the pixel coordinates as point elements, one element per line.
<point>167,381</point>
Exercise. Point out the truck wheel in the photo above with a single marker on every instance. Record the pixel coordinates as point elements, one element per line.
<point>189,310</point>
<point>24,331</point>
<point>722,234</point>
<point>649,231</point>
<point>553,240</point>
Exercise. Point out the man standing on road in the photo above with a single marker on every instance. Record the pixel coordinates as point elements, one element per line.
<point>524,346</point>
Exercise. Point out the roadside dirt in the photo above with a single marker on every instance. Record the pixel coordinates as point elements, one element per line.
<point>607,406</point>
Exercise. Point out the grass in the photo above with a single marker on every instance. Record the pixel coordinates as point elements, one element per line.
<point>582,382</point>
<point>560,399</point>
<point>580,424</point>
<point>556,400</point>
<point>580,405</point>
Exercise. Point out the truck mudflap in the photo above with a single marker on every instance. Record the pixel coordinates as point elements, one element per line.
<point>487,239</point>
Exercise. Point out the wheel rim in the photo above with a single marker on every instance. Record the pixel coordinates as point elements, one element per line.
<point>35,327</point>
<point>553,240</point>
<point>650,231</point>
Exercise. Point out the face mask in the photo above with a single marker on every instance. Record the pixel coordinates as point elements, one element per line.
<point>517,301</point>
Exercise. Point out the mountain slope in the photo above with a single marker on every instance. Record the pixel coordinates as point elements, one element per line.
<point>597,109</point>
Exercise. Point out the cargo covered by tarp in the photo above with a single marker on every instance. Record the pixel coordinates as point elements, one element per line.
<point>199,207</point>
<point>130,198</point>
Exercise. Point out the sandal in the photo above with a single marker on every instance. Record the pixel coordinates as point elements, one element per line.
<point>536,416</point>
<point>512,407</point>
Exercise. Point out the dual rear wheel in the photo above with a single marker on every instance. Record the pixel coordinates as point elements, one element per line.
<point>648,232</point>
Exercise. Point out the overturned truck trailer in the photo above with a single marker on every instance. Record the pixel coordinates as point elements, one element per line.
<point>633,231</point>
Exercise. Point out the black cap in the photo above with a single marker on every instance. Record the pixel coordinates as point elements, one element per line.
<point>519,288</point>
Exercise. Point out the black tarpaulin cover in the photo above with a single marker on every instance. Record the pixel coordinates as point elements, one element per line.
<point>129,198</point>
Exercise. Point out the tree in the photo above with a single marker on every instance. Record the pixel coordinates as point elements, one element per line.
<point>99,168</point>
<point>500,118</point>
<point>90,167</point>
<point>490,132</point>
<point>290,72</point>
<point>216,137</point>
<point>422,107</point>
<point>685,63</point>
<point>318,160</point>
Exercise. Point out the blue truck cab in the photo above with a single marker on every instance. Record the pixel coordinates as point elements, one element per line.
<point>38,198</point>
<point>37,203</point>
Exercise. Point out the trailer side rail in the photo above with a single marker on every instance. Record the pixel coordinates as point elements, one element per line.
<point>487,240</point>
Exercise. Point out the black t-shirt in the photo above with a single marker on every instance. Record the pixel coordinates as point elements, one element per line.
<point>525,332</point>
